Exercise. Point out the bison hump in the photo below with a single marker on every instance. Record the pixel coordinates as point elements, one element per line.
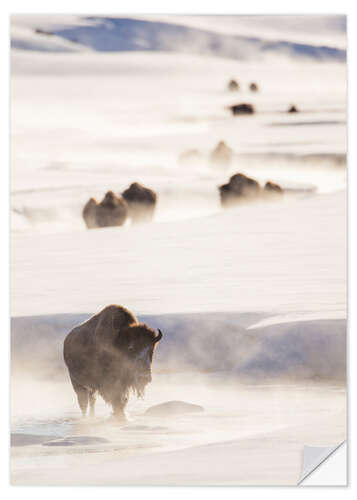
<point>111,320</point>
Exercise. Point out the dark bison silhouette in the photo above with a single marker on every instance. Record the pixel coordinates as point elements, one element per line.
<point>238,188</point>
<point>253,87</point>
<point>110,354</point>
<point>272,188</point>
<point>111,211</point>
<point>221,155</point>
<point>242,188</point>
<point>141,202</point>
<point>293,109</point>
<point>40,31</point>
<point>233,85</point>
<point>242,109</point>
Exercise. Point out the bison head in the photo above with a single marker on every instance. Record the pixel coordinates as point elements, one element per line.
<point>137,344</point>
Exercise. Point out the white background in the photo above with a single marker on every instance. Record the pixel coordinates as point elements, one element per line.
<point>182,7</point>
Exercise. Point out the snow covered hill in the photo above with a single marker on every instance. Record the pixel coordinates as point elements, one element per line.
<point>177,34</point>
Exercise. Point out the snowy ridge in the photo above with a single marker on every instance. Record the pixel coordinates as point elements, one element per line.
<point>117,34</point>
<point>27,39</point>
<point>212,342</point>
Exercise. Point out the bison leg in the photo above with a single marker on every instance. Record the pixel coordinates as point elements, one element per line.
<point>92,400</point>
<point>82,396</point>
<point>119,406</point>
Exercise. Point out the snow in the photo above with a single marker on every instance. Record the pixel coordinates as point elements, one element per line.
<point>254,438</point>
<point>65,151</point>
<point>318,29</point>
<point>301,37</point>
<point>276,258</point>
<point>251,301</point>
<point>28,39</point>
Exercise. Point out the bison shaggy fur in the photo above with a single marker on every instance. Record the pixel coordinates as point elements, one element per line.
<point>110,354</point>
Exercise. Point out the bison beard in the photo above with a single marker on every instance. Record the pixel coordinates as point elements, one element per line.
<point>110,354</point>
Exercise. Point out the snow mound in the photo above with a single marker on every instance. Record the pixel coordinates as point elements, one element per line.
<point>76,440</point>
<point>21,439</point>
<point>170,408</point>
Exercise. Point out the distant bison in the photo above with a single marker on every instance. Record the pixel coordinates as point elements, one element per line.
<point>221,155</point>
<point>40,31</point>
<point>110,354</point>
<point>253,87</point>
<point>242,109</point>
<point>292,109</point>
<point>141,202</point>
<point>233,85</point>
<point>89,213</point>
<point>111,211</point>
<point>240,187</point>
<point>272,188</point>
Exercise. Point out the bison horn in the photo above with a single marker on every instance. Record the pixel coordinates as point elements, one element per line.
<point>158,337</point>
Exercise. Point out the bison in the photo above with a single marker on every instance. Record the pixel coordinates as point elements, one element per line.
<point>111,211</point>
<point>272,188</point>
<point>240,187</point>
<point>233,85</point>
<point>242,109</point>
<point>253,87</point>
<point>221,155</point>
<point>292,109</point>
<point>110,354</point>
<point>141,202</point>
<point>89,213</point>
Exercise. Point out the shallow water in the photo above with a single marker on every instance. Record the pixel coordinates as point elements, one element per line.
<point>242,410</point>
<point>71,443</point>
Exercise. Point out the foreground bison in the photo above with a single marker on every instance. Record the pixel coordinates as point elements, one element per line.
<point>111,211</point>
<point>141,202</point>
<point>110,354</point>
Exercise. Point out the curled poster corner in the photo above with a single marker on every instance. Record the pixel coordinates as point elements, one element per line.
<point>314,456</point>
